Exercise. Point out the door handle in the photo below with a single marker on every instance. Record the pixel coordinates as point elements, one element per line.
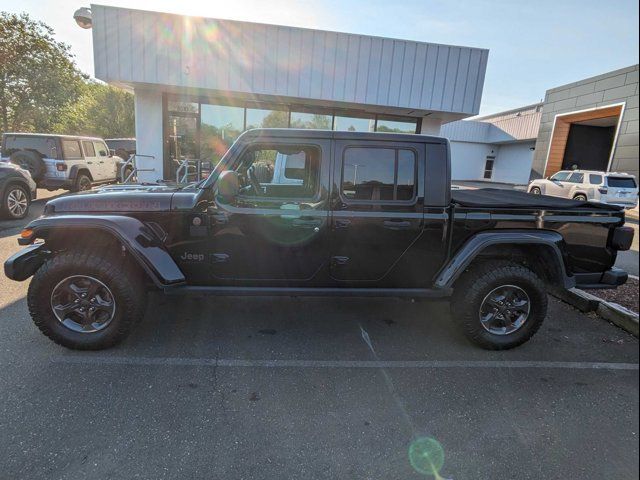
<point>101,161</point>
<point>220,218</point>
<point>396,224</point>
<point>342,223</point>
<point>303,222</point>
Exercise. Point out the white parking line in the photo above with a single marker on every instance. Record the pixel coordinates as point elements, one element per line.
<point>421,364</point>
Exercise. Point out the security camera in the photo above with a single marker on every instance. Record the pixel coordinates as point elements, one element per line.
<point>82,17</point>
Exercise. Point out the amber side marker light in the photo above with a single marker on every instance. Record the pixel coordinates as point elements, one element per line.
<point>26,237</point>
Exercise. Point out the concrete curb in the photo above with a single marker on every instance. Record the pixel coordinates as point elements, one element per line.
<point>614,313</point>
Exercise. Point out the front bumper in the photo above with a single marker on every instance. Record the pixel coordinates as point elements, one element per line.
<point>23,264</point>
<point>601,280</point>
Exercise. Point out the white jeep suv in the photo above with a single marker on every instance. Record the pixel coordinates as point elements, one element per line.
<point>62,161</point>
<point>588,185</point>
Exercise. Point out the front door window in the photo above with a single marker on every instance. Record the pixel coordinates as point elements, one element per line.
<point>276,229</point>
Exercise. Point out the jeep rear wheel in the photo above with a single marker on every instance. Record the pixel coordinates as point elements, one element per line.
<point>86,302</point>
<point>535,191</point>
<point>499,305</point>
<point>82,183</point>
<point>580,197</point>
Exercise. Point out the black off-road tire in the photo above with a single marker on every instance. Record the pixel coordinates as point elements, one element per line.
<point>580,197</point>
<point>476,283</point>
<point>536,191</point>
<point>82,183</point>
<point>29,161</point>
<point>125,283</point>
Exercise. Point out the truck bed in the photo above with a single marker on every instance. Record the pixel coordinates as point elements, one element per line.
<point>495,197</point>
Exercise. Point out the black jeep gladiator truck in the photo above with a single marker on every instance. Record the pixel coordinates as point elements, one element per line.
<point>303,213</point>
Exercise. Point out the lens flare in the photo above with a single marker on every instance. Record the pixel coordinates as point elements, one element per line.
<point>426,456</point>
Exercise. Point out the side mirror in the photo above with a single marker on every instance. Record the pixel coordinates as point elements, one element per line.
<point>228,185</point>
<point>112,152</point>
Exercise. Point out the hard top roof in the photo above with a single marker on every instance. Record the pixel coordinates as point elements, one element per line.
<point>302,133</point>
<point>50,135</point>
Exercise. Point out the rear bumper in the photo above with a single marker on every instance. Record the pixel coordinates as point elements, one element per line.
<point>609,279</point>
<point>56,183</point>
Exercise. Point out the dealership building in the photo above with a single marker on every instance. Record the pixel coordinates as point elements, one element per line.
<point>496,148</point>
<point>590,124</point>
<point>200,82</point>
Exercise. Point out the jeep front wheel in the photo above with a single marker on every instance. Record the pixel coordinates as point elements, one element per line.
<point>84,301</point>
<point>499,305</point>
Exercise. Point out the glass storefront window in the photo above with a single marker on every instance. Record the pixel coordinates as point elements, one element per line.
<point>354,124</point>
<point>182,107</point>
<point>220,125</point>
<point>395,126</point>
<point>311,120</point>
<point>261,118</point>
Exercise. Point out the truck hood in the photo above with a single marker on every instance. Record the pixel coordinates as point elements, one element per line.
<point>125,199</point>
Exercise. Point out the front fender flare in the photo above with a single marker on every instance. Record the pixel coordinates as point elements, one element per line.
<point>476,244</point>
<point>140,241</point>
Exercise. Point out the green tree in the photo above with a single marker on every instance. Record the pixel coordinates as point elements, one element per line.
<point>37,75</point>
<point>100,110</point>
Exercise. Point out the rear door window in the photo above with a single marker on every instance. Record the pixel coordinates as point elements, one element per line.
<point>89,151</point>
<point>71,150</point>
<point>378,174</point>
<point>43,146</point>
<point>621,182</point>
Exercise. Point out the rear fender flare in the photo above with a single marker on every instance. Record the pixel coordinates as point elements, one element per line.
<point>139,240</point>
<point>479,242</point>
<point>73,171</point>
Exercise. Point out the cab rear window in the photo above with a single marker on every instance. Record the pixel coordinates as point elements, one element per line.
<point>621,182</point>
<point>378,174</point>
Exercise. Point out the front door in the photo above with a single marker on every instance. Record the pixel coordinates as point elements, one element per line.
<point>557,184</point>
<point>106,163</point>
<point>377,213</point>
<point>91,160</point>
<point>276,231</point>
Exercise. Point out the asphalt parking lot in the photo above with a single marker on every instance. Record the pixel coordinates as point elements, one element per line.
<point>279,388</point>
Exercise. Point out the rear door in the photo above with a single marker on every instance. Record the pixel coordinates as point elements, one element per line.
<point>377,209</point>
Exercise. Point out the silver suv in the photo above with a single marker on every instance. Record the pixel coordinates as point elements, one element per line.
<point>588,185</point>
<point>62,161</point>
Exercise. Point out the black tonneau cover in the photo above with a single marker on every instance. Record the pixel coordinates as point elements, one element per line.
<point>495,197</point>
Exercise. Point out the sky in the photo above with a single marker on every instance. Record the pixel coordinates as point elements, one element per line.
<point>533,45</point>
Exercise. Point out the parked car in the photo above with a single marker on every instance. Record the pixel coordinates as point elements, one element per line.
<point>612,188</point>
<point>17,190</point>
<point>62,161</point>
<point>122,147</point>
<point>373,215</point>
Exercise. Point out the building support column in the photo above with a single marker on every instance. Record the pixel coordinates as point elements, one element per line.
<point>430,126</point>
<point>148,110</point>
